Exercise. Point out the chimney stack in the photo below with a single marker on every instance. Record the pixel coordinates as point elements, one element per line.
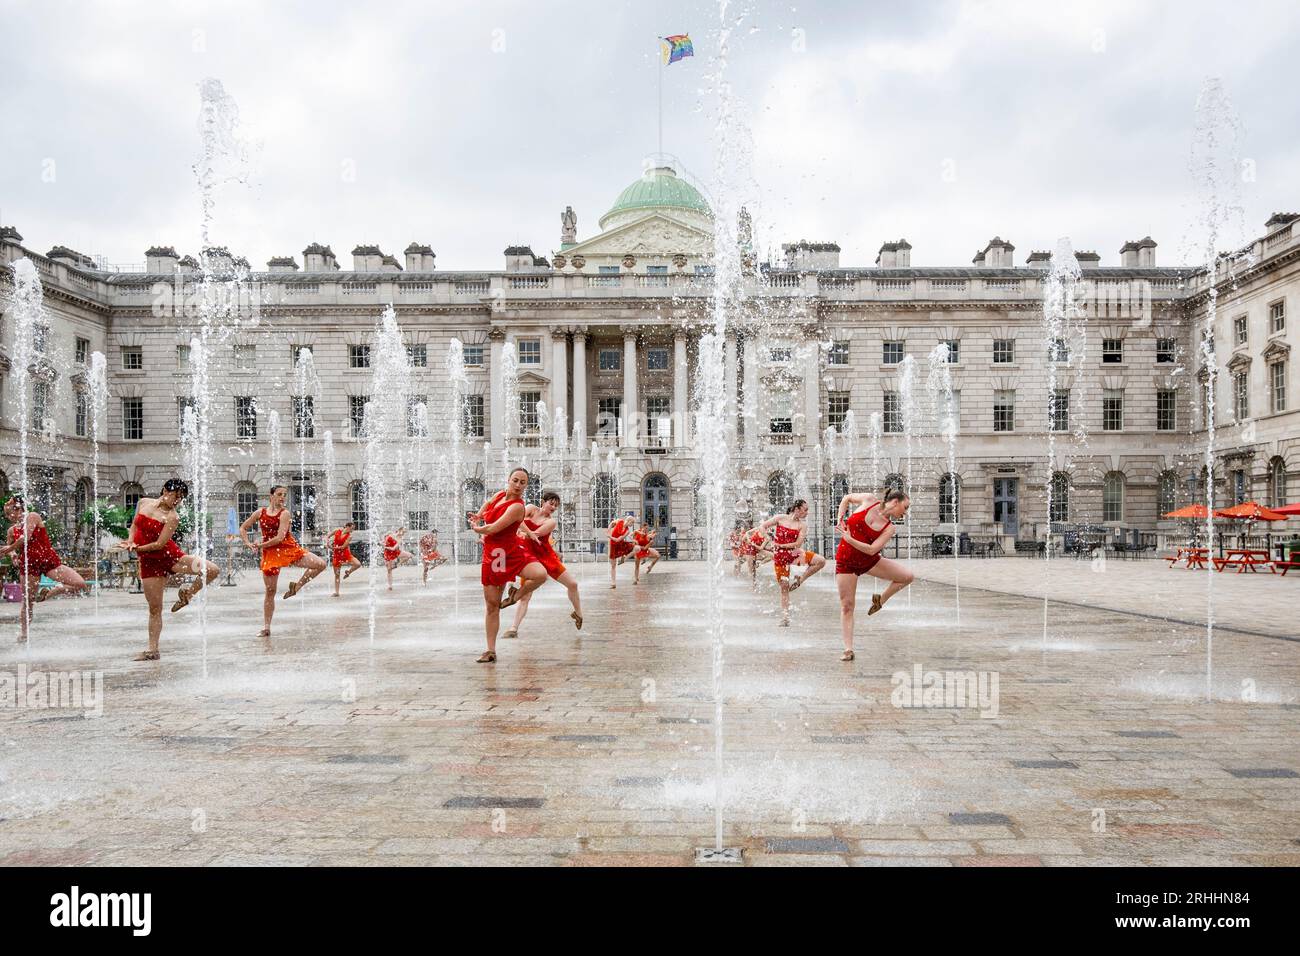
<point>318,258</point>
<point>159,260</point>
<point>282,264</point>
<point>998,254</point>
<point>895,255</point>
<point>419,258</point>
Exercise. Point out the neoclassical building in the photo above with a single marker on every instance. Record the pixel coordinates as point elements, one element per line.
<point>1108,413</point>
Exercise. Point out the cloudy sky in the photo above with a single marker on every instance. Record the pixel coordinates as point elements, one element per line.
<point>469,126</point>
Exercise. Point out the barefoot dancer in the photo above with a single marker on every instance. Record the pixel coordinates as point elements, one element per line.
<point>430,557</point>
<point>620,545</point>
<point>34,555</point>
<point>504,555</point>
<point>394,553</point>
<point>788,532</point>
<point>341,553</point>
<point>151,541</point>
<point>864,534</point>
<point>539,523</point>
<point>644,537</point>
<point>279,550</point>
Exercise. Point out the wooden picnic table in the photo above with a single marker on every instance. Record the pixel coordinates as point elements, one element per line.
<point>1245,559</point>
<point>1194,557</point>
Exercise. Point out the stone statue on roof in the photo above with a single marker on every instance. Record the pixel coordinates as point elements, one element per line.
<point>569,225</point>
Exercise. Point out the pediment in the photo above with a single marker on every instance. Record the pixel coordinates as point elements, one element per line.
<point>655,235</point>
<point>1239,361</point>
<point>1276,350</point>
<point>532,378</point>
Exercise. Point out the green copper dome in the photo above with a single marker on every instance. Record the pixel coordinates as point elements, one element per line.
<point>659,188</point>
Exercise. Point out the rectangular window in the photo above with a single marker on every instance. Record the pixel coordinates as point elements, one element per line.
<point>1277,386</point>
<point>471,419</point>
<point>133,419</point>
<point>610,360</point>
<point>83,415</point>
<point>245,416</point>
<point>42,395</point>
<point>658,413</point>
<point>1239,330</point>
<point>1060,410</point>
<point>838,354</point>
<point>1112,351</point>
<point>1240,396</point>
<point>1277,315</point>
<point>357,414</point>
<point>183,357</point>
<point>417,416</point>
<point>1166,350</point>
<point>40,338</point>
<point>529,351</point>
<point>1112,410</point>
<point>781,414</point>
<point>1004,410</point>
<point>246,358</point>
<point>295,351</point>
<point>182,403</point>
<point>1004,351</point>
<point>132,358</point>
<point>608,412</point>
<point>358,356</point>
<point>837,406</point>
<point>1166,410</point>
<point>893,423</point>
<point>656,360</point>
<point>609,270</point>
<point>779,355</point>
<point>82,351</point>
<point>417,356</point>
<point>656,270</point>
<point>304,416</point>
<point>473,355</point>
<point>1058,351</point>
<point>954,350</point>
<point>892,353</point>
<point>528,420</point>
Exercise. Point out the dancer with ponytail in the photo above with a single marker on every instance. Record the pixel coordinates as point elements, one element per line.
<point>788,533</point>
<point>864,533</point>
<point>278,549</point>
<point>33,556</point>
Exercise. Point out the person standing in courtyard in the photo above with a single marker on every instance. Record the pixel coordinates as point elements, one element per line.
<point>788,533</point>
<point>504,556</point>
<point>643,539</point>
<point>620,545</point>
<point>341,553</point>
<point>394,554</point>
<point>539,522</point>
<point>430,556</point>
<point>863,534</point>
<point>155,522</point>
<point>278,549</point>
<point>33,555</point>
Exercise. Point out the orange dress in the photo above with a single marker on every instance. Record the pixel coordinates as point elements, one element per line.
<point>283,554</point>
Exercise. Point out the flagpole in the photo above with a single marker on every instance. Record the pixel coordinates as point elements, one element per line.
<point>659,157</point>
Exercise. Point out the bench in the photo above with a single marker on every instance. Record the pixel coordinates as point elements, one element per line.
<point>1285,566</point>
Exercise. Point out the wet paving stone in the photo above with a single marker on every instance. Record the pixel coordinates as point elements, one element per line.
<point>685,720</point>
<point>494,803</point>
<point>1265,773</point>
<point>979,819</point>
<point>584,738</point>
<point>1147,734</point>
<point>638,781</point>
<point>1045,764</point>
<point>806,845</point>
<point>840,739</point>
<point>366,758</point>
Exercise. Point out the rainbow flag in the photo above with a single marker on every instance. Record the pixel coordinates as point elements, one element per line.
<point>677,47</point>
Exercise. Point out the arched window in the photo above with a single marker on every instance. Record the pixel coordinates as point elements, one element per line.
<point>81,497</point>
<point>360,507</point>
<point>1112,496</point>
<point>949,499</point>
<point>245,499</point>
<point>1277,482</point>
<point>1060,497</point>
<point>835,492</point>
<point>655,500</point>
<point>780,492</point>
<point>131,495</point>
<point>1166,493</point>
<point>417,505</point>
<point>604,500</point>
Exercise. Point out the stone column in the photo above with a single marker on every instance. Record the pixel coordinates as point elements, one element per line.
<point>681,401</point>
<point>560,372</point>
<point>580,382</point>
<point>750,410</point>
<point>496,413</point>
<point>812,396</point>
<point>631,420</point>
<point>729,386</point>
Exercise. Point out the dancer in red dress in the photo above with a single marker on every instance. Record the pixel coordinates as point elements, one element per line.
<point>341,553</point>
<point>160,557</point>
<point>430,556</point>
<point>278,549</point>
<point>644,538</point>
<point>620,544</point>
<point>504,556</point>
<point>394,554</point>
<point>34,555</point>
<point>788,533</point>
<point>755,547</point>
<point>864,533</point>
<point>736,541</point>
<point>539,522</point>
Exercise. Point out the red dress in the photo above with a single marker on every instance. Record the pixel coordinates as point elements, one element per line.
<point>618,548</point>
<point>782,558</point>
<point>283,554</point>
<point>542,551</point>
<point>642,540</point>
<point>342,553</point>
<point>429,549</point>
<point>154,564</point>
<point>37,555</point>
<point>751,544</point>
<point>504,555</point>
<point>848,559</point>
<point>391,551</point>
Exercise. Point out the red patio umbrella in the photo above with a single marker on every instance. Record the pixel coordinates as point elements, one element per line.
<point>1191,511</point>
<point>1287,510</point>
<point>1250,511</point>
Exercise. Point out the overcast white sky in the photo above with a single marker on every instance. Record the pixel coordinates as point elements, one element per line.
<point>471,125</point>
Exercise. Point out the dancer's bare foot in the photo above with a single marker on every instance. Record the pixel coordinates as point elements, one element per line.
<point>146,656</point>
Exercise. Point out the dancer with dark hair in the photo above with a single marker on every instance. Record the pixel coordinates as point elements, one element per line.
<point>864,533</point>
<point>155,522</point>
<point>395,554</point>
<point>430,556</point>
<point>539,522</point>
<point>33,556</point>
<point>278,549</point>
<point>755,547</point>
<point>620,544</point>
<point>504,556</point>
<point>643,539</point>
<point>341,553</point>
<point>788,533</point>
